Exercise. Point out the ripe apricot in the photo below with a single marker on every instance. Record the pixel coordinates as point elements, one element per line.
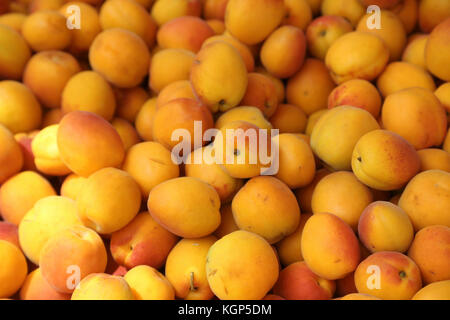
<point>309,88</point>
<point>329,246</point>
<point>147,283</point>
<point>89,91</point>
<point>14,269</point>
<point>266,206</point>
<point>47,73</point>
<point>144,120</point>
<point>387,170</point>
<point>115,50</point>
<point>129,15</point>
<point>102,286</point>
<point>193,210</point>
<point>185,268</point>
<point>425,199</point>
<point>95,145</point>
<point>164,11</point>
<point>250,22</point>
<point>46,30</point>
<point>241,265</point>
<point>109,200</point>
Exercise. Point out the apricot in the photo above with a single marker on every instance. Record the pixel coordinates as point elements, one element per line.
<point>19,194</point>
<point>170,65</point>
<point>366,56</point>
<point>75,246</point>
<point>296,161</point>
<point>95,145</point>
<point>11,157</point>
<point>432,13</point>
<point>289,118</point>
<point>395,276</point>
<point>299,13</point>
<point>434,159</point>
<point>20,112</point>
<point>186,32</point>
<point>193,210</point>
<point>323,31</point>
<point>266,206</point>
<point>417,115</point>
<point>47,73</point>
<point>89,20</point>
<point>328,241</point>
<point>309,88</point>
<point>392,32</point>
<point>150,163</point>
<point>388,169</point>
<point>144,120</point>
<point>352,10</point>
<point>425,199</point>
<point>201,165</point>
<point>149,284</point>
<point>227,223</point>
<point>357,93</point>
<point>89,91</point>
<point>298,282</point>
<point>241,266</point>
<point>9,232</point>
<point>443,94</point>
<point>249,114</point>
<point>439,290</point>
<point>128,15</point>
<point>46,30</point>
<point>164,11</point>
<point>48,216</point>
<point>261,93</point>
<point>127,132</point>
<point>72,186</point>
<point>289,249</point>
<point>436,60</point>
<point>446,145</point>
<point>142,242</point>
<point>180,114</point>
<point>14,269</point>
<point>219,76</point>
<point>46,154</point>
<point>430,250</point>
<point>185,268</point>
<point>415,50</point>
<point>115,50</point>
<point>129,102</point>
<point>109,200</point>
<point>336,133</point>
<point>101,286</point>
<point>175,90</point>
<point>250,22</point>
<point>243,49</point>
<point>403,75</point>
<point>384,226</point>
<point>35,287</point>
<point>283,52</point>
<point>14,53</point>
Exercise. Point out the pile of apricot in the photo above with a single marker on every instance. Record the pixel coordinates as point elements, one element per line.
<point>355,96</point>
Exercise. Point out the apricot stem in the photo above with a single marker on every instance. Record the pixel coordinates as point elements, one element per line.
<point>191,282</point>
